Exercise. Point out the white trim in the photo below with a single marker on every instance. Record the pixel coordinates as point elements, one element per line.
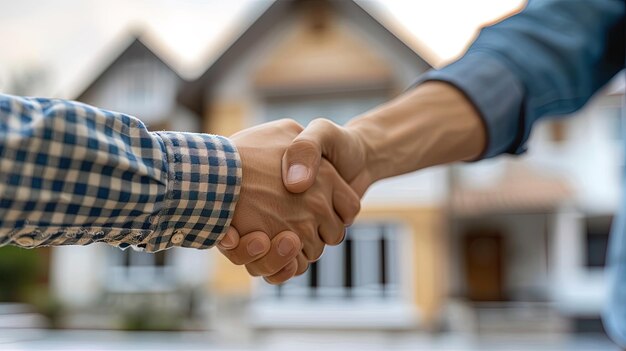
<point>326,314</point>
<point>332,309</point>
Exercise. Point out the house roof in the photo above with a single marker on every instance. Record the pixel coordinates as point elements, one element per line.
<point>191,95</point>
<point>134,45</point>
<point>520,189</point>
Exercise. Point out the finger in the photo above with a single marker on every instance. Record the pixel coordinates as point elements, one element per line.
<point>230,240</point>
<point>346,202</point>
<point>313,244</point>
<point>251,247</point>
<point>302,158</point>
<point>288,272</point>
<point>303,264</point>
<point>333,235</point>
<point>331,229</point>
<point>361,183</point>
<point>313,252</point>
<point>285,247</point>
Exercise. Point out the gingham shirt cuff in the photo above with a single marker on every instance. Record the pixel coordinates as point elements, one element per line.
<point>204,179</point>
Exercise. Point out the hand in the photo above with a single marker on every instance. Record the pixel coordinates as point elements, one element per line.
<point>432,124</point>
<point>339,145</point>
<point>318,216</point>
<point>264,256</point>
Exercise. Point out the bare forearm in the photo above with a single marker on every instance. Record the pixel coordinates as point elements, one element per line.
<point>430,125</point>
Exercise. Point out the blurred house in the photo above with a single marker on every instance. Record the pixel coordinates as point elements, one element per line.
<point>506,241</point>
<point>306,59</point>
<point>299,59</point>
<point>528,236</point>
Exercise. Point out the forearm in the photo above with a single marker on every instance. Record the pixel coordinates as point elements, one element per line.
<point>431,124</point>
<point>73,174</point>
<point>547,60</point>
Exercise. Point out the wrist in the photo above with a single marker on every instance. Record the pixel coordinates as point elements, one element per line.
<point>429,125</point>
<point>366,133</point>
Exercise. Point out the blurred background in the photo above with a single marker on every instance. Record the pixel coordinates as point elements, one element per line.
<point>506,254</point>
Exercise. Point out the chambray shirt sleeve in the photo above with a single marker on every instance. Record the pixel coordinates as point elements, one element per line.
<point>547,60</point>
<point>72,174</point>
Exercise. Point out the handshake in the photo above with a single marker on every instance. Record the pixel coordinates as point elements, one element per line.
<point>300,189</point>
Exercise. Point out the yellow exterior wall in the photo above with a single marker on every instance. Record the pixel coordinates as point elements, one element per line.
<point>226,118</point>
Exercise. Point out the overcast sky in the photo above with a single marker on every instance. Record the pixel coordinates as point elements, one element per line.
<point>66,37</point>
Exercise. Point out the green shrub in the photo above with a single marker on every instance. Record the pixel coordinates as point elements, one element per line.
<point>20,271</point>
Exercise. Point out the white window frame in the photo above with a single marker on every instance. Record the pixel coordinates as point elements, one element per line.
<point>333,308</point>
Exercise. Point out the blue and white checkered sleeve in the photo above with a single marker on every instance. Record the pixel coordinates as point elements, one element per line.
<point>72,174</point>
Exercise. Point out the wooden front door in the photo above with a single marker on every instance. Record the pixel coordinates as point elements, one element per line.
<point>484,265</point>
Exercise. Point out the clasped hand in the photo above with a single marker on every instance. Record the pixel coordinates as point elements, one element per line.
<point>292,201</point>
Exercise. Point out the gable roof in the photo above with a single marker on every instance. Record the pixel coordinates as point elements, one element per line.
<point>136,47</point>
<point>191,94</point>
<point>520,190</point>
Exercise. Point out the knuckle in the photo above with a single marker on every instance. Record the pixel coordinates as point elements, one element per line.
<point>271,267</point>
<point>274,281</point>
<point>237,260</point>
<point>314,254</point>
<point>306,147</point>
<point>302,269</point>
<point>323,122</point>
<point>252,270</point>
<point>330,128</point>
<point>284,274</point>
<point>291,125</point>
<point>264,269</point>
<point>311,240</point>
<point>357,206</point>
<point>318,204</point>
<point>232,257</point>
<point>338,238</point>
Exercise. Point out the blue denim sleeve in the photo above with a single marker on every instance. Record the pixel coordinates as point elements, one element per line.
<point>547,60</point>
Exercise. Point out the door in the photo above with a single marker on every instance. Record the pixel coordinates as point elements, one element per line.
<point>483,264</point>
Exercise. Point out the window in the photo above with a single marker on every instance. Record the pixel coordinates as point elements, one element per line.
<point>597,240</point>
<point>139,76</point>
<point>132,271</point>
<point>365,266</point>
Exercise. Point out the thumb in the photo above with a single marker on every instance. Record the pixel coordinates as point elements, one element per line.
<point>301,160</point>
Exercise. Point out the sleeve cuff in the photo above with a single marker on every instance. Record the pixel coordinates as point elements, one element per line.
<point>204,174</point>
<point>495,92</point>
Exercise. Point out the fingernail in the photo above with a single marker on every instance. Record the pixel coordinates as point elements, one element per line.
<point>286,246</point>
<point>255,247</point>
<point>297,173</point>
<point>227,242</point>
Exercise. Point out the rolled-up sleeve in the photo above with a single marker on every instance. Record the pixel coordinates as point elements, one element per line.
<point>493,90</point>
<point>547,60</point>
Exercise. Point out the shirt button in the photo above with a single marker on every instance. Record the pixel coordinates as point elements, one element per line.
<point>25,241</point>
<point>178,238</point>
